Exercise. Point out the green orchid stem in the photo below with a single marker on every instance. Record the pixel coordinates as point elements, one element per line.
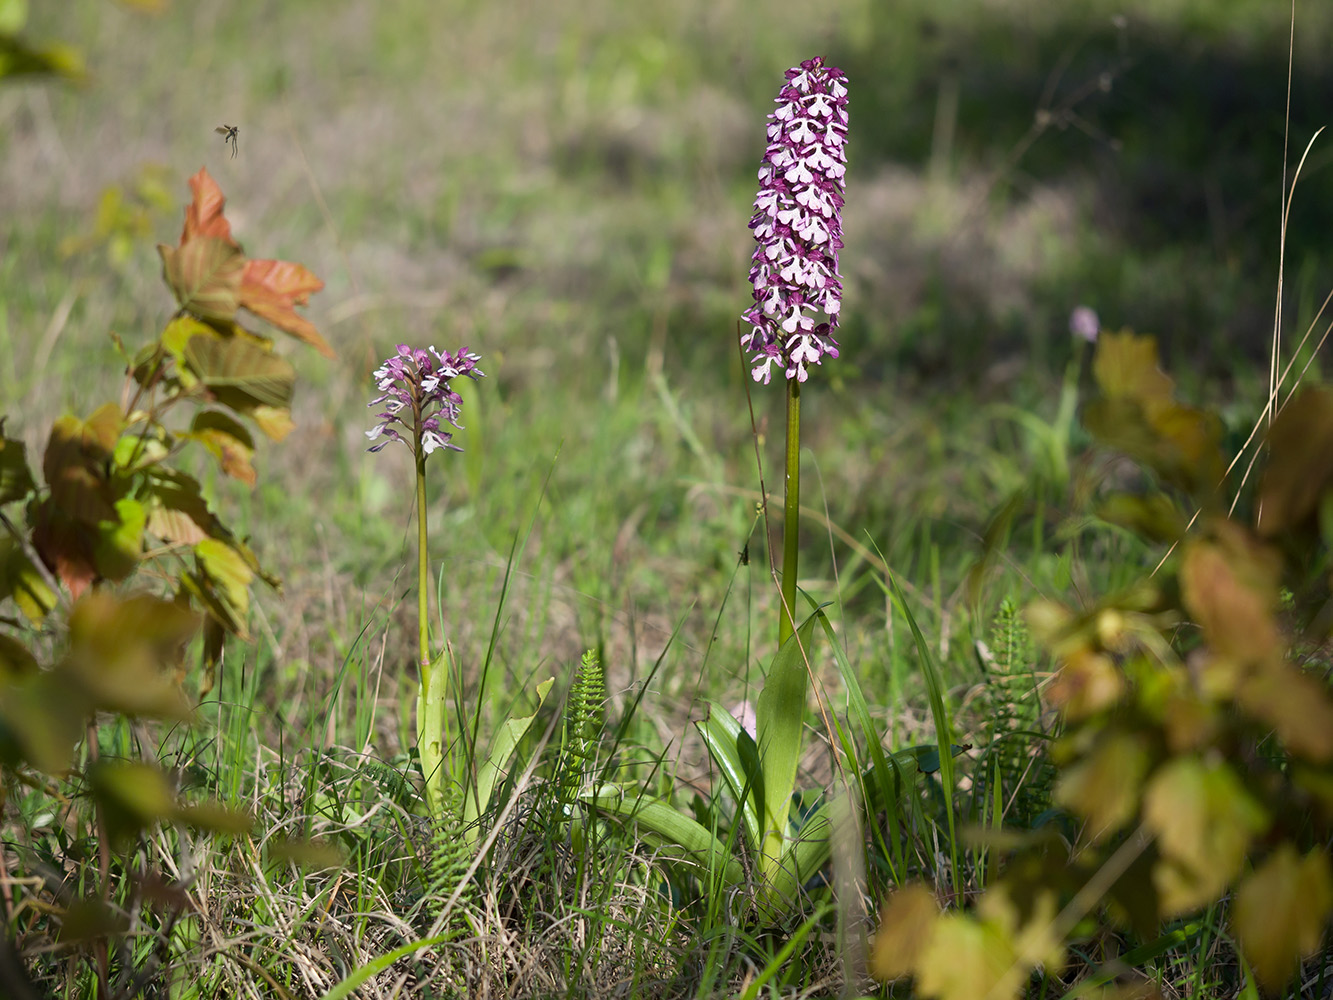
<point>791,512</point>
<point>434,672</point>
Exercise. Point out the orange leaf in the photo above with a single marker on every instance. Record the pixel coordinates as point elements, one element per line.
<point>204,216</point>
<point>273,288</point>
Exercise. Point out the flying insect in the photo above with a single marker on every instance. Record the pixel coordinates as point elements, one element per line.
<point>228,133</point>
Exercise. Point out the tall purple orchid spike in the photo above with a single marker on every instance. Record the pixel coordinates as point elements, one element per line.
<point>798,225</point>
<point>416,393</point>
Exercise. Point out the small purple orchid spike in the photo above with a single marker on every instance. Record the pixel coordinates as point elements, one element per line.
<point>798,225</point>
<point>416,393</point>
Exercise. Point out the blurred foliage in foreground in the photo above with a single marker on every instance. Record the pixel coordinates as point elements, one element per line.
<point>1198,742</point>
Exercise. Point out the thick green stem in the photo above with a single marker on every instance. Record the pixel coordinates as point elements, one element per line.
<point>423,569</point>
<point>791,512</point>
<point>434,672</point>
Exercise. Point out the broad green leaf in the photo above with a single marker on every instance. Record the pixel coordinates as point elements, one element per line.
<point>720,732</point>
<point>670,828</point>
<point>119,544</point>
<point>431,704</point>
<point>204,273</point>
<point>241,370</point>
<point>493,769</point>
<point>1204,820</point>
<point>1281,910</point>
<point>780,724</point>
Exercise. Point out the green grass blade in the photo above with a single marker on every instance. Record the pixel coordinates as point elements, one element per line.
<point>379,964</point>
<point>943,728</point>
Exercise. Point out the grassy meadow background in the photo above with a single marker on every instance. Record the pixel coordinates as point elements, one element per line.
<point>565,190</point>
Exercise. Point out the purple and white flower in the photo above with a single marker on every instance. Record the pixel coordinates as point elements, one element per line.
<point>416,394</point>
<point>797,225</point>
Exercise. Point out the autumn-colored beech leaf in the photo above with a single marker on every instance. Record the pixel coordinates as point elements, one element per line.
<point>203,216</point>
<point>1295,704</point>
<point>1300,463</point>
<point>76,463</point>
<point>1280,912</point>
<point>227,440</point>
<point>274,421</point>
<point>1086,683</point>
<point>65,545</point>
<point>15,478</point>
<point>1136,414</point>
<point>204,274</point>
<point>905,926</point>
<point>178,512</point>
<point>240,371</point>
<point>221,584</point>
<point>124,651</point>
<point>271,289</point>
<point>1104,787</point>
<point>1204,820</point>
<point>1229,586</point>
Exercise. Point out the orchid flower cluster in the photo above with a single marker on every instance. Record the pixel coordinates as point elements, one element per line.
<point>798,225</point>
<point>416,393</point>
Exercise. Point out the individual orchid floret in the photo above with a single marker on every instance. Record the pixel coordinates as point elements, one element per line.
<point>797,225</point>
<point>416,393</point>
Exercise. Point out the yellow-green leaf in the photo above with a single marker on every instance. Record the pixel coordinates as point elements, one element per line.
<point>119,545</point>
<point>905,926</point>
<point>967,959</point>
<point>1204,820</point>
<point>1280,912</point>
<point>1104,787</point>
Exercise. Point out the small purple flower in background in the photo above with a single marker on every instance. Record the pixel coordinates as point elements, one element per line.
<point>798,225</point>
<point>416,394</point>
<point>1083,322</point>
